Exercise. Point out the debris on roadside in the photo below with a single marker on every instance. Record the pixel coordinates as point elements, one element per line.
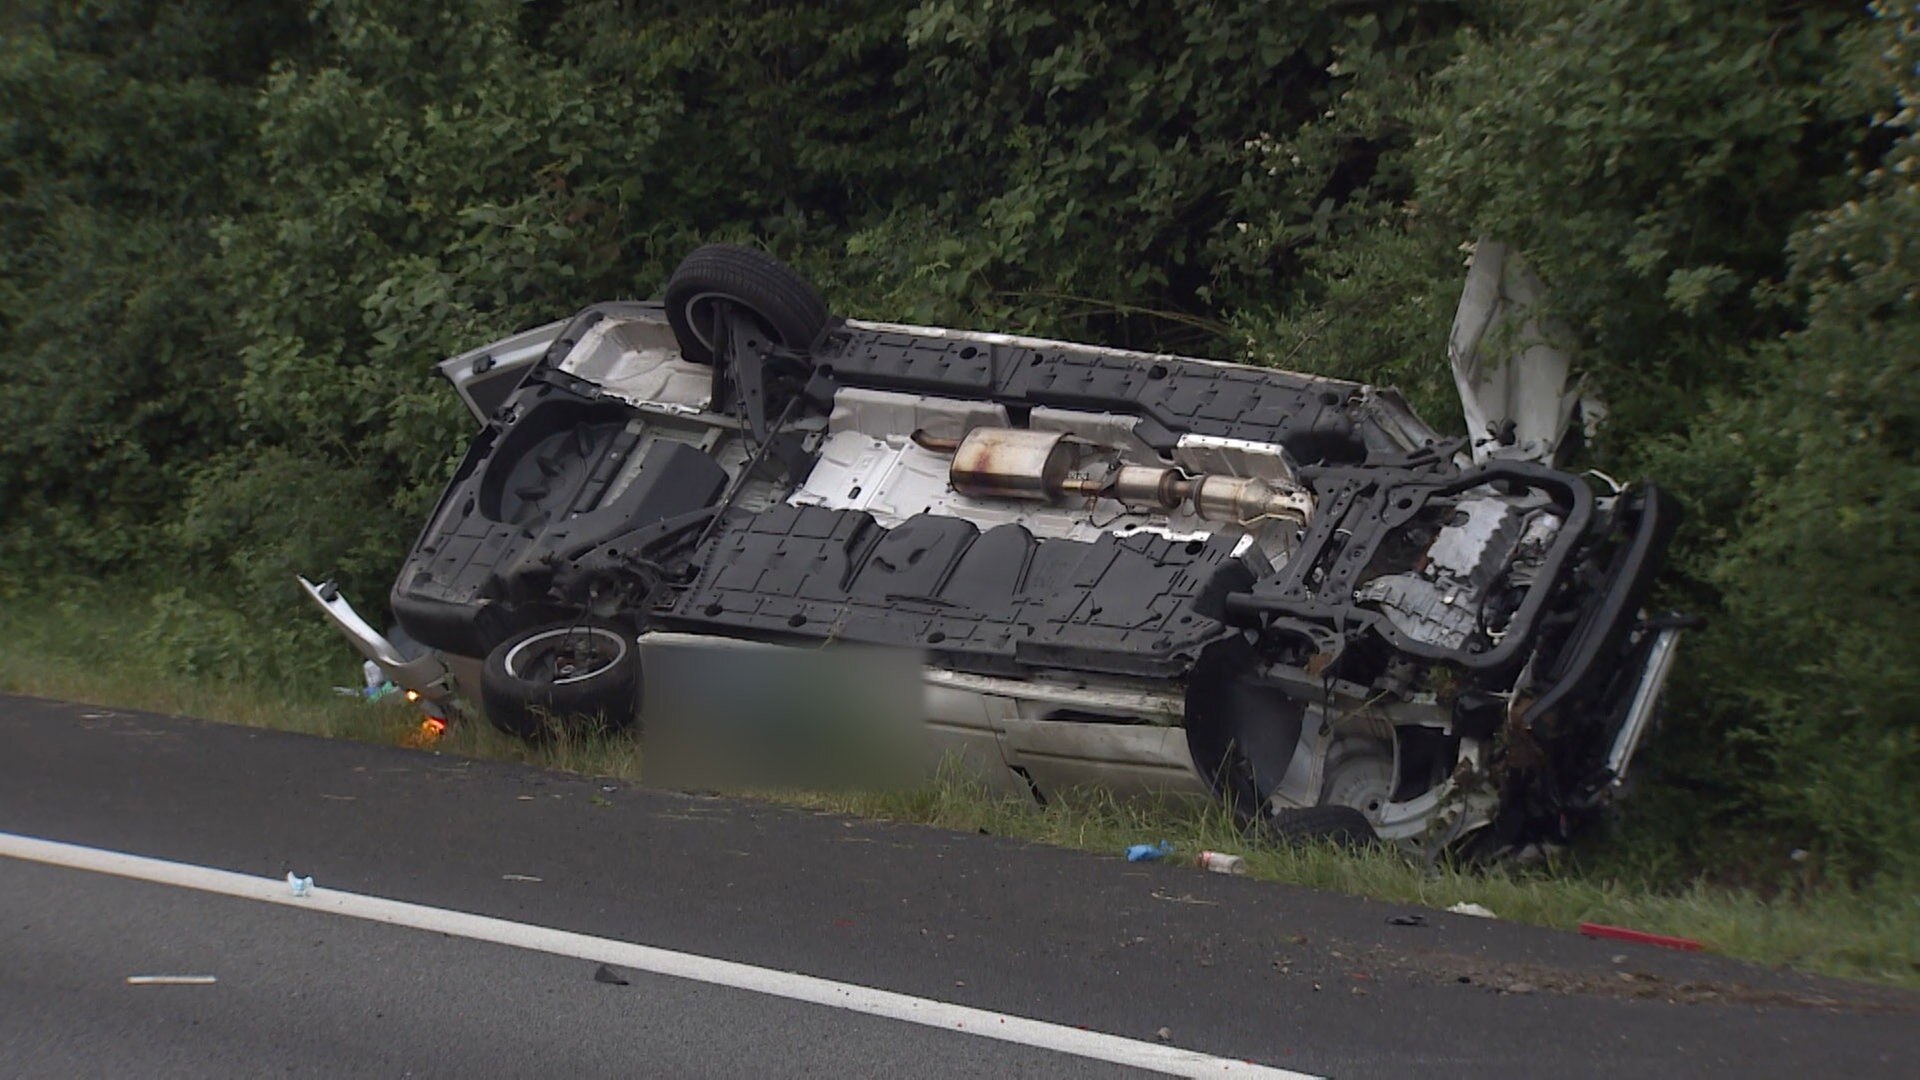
<point>1220,862</point>
<point>301,886</point>
<point>1149,852</point>
<point>520,877</point>
<point>171,980</point>
<point>1639,937</point>
<point>606,974</point>
<point>1407,920</point>
<point>428,733</point>
<point>1467,907</point>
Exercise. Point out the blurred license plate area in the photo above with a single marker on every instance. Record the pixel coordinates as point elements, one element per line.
<point>718,713</point>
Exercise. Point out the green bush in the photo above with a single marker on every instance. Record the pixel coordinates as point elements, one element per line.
<point>233,240</point>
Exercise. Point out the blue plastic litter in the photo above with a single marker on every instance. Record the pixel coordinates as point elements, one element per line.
<point>1149,852</point>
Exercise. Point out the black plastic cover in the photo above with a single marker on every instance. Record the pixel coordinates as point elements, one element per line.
<point>999,602</point>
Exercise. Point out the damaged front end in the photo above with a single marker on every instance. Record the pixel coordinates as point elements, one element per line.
<point>1464,646</point>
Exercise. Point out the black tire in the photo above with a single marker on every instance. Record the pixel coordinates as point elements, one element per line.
<point>573,677</point>
<point>1342,825</point>
<point>787,308</point>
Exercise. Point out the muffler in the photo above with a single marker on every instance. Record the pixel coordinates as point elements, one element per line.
<point>1058,467</point>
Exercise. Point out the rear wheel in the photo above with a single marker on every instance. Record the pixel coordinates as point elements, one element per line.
<point>571,677</point>
<point>779,301</point>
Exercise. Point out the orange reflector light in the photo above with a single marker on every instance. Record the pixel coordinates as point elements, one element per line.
<point>426,734</point>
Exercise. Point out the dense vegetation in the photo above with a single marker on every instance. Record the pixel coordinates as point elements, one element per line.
<point>233,236</point>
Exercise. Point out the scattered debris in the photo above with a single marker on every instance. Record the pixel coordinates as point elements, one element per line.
<point>1149,852</point>
<point>1519,986</point>
<point>1165,1035</point>
<point>1183,898</point>
<point>1496,976</point>
<point>1467,907</point>
<point>1221,863</point>
<point>171,980</point>
<point>301,886</point>
<point>1641,937</point>
<point>519,877</point>
<point>1407,920</point>
<point>427,733</point>
<point>605,974</point>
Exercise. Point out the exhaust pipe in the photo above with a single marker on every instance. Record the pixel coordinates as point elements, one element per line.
<point>1055,467</point>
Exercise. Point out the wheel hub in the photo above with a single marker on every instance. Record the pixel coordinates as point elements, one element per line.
<point>1362,781</point>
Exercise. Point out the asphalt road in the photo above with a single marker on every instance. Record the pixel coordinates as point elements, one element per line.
<point>1293,978</point>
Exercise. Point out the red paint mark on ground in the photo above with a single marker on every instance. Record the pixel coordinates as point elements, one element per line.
<point>1639,937</point>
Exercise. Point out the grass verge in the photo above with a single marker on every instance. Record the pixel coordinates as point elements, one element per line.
<point>78,652</point>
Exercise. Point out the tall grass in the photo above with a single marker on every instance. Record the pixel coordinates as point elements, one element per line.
<point>76,651</point>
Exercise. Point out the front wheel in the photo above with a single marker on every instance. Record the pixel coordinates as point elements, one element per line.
<point>570,677</point>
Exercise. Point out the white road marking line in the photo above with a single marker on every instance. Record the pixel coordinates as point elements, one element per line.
<point>171,980</point>
<point>703,969</point>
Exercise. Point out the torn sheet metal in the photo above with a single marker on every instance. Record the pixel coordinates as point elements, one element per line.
<point>1512,376</point>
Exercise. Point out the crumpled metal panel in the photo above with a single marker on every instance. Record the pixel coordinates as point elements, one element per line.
<point>1511,365</point>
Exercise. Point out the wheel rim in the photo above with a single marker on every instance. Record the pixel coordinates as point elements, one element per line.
<point>566,655</point>
<point>699,310</point>
<point>1363,782</point>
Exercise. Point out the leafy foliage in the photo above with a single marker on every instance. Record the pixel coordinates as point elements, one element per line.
<point>233,238</point>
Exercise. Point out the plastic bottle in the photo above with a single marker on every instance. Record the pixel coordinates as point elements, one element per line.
<point>1221,863</point>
